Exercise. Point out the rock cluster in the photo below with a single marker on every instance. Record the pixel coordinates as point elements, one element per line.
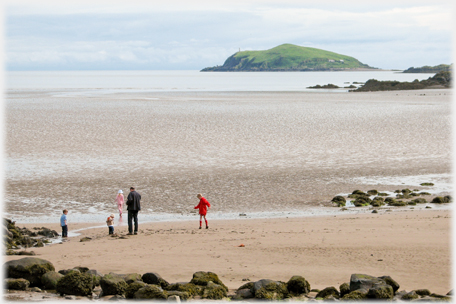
<point>16,238</point>
<point>403,197</point>
<point>34,274</point>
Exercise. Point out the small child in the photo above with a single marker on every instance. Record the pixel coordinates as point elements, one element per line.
<point>63,223</point>
<point>110,222</point>
<point>202,206</point>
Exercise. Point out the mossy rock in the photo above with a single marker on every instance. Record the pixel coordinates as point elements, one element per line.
<point>362,201</point>
<point>344,289</point>
<point>298,285</point>
<point>151,292</point>
<point>50,279</point>
<point>112,285</point>
<point>406,191</point>
<point>438,200</point>
<point>202,278</point>
<point>132,288</point>
<point>328,291</point>
<point>381,292</point>
<point>427,184</point>
<point>356,295</point>
<point>424,193</point>
<point>181,294</point>
<point>132,277</point>
<point>359,192</point>
<point>372,192</point>
<point>398,203</point>
<point>248,285</point>
<point>390,281</point>
<point>16,284</point>
<point>382,194</point>
<point>410,296</point>
<point>155,278</point>
<point>190,288</point>
<point>377,201</point>
<point>411,203</point>
<point>339,200</point>
<point>270,290</point>
<point>364,281</point>
<point>31,269</point>
<point>422,292</point>
<point>420,200</point>
<point>75,283</point>
<point>214,291</point>
<point>403,196</point>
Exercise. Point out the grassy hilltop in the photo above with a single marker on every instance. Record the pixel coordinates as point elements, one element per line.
<point>288,57</point>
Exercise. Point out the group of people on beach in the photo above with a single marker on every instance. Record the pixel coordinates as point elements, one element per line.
<point>133,207</point>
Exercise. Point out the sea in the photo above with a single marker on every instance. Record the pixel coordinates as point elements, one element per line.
<point>74,91</point>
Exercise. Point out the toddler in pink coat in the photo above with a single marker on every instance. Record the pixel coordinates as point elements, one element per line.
<point>120,201</point>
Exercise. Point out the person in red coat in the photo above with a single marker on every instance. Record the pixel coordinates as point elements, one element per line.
<point>202,206</point>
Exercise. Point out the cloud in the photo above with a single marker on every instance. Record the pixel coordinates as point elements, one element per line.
<point>157,36</point>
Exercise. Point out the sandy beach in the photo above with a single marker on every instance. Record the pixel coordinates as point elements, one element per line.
<point>413,247</point>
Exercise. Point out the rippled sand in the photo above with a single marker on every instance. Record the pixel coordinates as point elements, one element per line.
<point>244,151</point>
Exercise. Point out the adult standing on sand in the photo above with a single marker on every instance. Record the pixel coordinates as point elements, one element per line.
<point>133,207</point>
<point>120,201</point>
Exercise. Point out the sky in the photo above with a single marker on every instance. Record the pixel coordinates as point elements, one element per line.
<point>192,35</point>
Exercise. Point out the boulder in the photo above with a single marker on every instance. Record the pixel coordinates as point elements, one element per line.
<point>132,277</point>
<point>49,280</point>
<point>16,284</point>
<point>270,290</point>
<point>181,294</point>
<point>356,295</point>
<point>154,278</point>
<point>190,288</point>
<point>67,271</point>
<point>339,200</point>
<point>112,285</point>
<point>31,269</point>
<point>344,289</point>
<point>150,292</point>
<point>132,288</point>
<point>298,285</point>
<point>381,292</point>
<point>75,283</point>
<point>214,291</point>
<point>96,275</point>
<point>202,278</point>
<point>410,296</point>
<point>328,291</point>
<point>244,293</point>
<point>388,280</point>
<point>423,292</point>
<point>364,281</point>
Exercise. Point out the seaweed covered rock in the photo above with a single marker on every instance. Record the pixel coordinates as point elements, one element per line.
<point>132,277</point>
<point>377,201</point>
<point>419,200</point>
<point>154,278</point>
<point>190,288</point>
<point>364,281</point>
<point>150,292</point>
<point>75,283</point>
<point>372,192</point>
<point>202,278</point>
<point>327,292</point>
<point>50,279</point>
<point>344,289</point>
<point>339,200</point>
<point>356,295</point>
<point>16,284</point>
<point>214,291</point>
<point>298,285</point>
<point>362,201</point>
<point>410,296</point>
<point>389,280</point>
<point>132,288</point>
<point>31,269</point>
<point>270,290</point>
<point>442,200</point>
<point>112,285</point>
<point>243,293</point>
<point>384,291</point>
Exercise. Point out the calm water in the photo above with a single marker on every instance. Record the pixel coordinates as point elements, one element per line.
<point>108,81</point>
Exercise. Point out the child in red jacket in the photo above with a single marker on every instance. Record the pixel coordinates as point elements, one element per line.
<point>203,206</point>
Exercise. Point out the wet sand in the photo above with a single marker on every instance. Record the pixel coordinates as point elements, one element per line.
<point>245,151</point>
<point>413,247</point>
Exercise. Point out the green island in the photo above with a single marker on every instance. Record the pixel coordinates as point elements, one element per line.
<point>430,69</point>
<point>288,57</point>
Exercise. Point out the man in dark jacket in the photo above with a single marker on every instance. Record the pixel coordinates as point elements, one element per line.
<point>133,206</point>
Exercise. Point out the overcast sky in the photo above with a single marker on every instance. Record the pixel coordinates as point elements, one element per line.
<point>191,35</point>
